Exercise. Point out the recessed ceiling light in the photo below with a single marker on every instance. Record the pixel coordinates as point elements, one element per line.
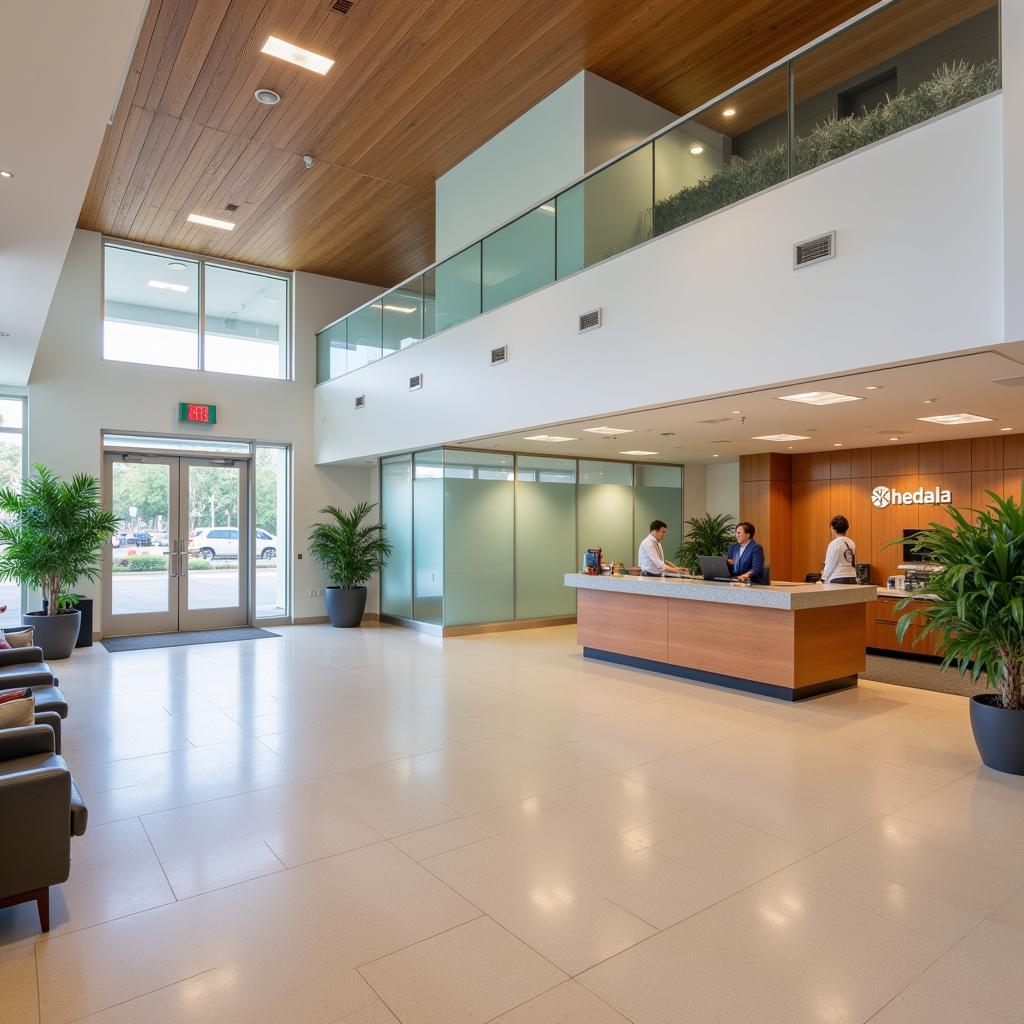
<point>1006,428</point>
<point>737,412</point>
<point>609,430</point>
<point>819,398</point>
<point>297,55</point>
<point>955,419</point>
<point>211,222</point>
<point>729,112</point>
<point>549,437</point>
<point>930,401</point>
<point>872,387</point>
<point>168,287</point>
<point>780,437</point>
<point>696,149</point>
<point>893,438</point>
<point>837,444</point>
<point>638,452</point>
<point>715,456</point>
<point>6,174</point>
<point>267,97</point>
<point>5,334</point>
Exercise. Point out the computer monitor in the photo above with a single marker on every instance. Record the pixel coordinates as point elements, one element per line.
<point>714,567</point>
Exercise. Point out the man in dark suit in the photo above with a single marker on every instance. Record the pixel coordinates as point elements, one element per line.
<point>746,556</point>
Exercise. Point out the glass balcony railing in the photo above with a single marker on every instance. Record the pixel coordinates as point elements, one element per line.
<point>873,77</point>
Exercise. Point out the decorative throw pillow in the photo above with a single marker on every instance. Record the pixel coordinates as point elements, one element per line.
<point>16,708</point>
<point>4,645</point>
<point>20,637</point>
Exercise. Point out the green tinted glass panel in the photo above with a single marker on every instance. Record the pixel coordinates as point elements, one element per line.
<point>545,536</point>
<point>659,495</point>
<point>364,336</point>
<point>457,286</point>
<point>428,537</point>
<point>331,351</point>
<point>479,506</point>
<point>403,316</point>
<point>617,206</point>
<point>396,514</point>
<point>520,258</point>
<point>569,240</point>
<point>606,510</point>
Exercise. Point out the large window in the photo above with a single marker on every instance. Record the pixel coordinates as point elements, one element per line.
<point>165,309</point>
<point>12,468</point>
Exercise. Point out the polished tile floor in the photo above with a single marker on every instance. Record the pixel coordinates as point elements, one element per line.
<point>375,826</point>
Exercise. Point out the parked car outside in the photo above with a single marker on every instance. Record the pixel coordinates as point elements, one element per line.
<point>222,542</point>
<point>266,543</point>
<point>139,539</point>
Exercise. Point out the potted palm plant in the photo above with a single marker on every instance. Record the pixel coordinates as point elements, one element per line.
<point>350,551</point>
<point>51,534</point>
<point>705,535</point>
<point>978,613</point>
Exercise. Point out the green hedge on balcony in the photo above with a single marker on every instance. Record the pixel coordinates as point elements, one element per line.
<point>951,86</point>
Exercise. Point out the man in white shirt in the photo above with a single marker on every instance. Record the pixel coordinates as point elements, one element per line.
<point>651,557</point>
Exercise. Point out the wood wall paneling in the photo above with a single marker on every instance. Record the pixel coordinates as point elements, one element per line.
<point>944,457</point>
<point>780,467</point>
<point>983,481</point>
<point>959,487</point>
<point>888,525</point>
<point>986,453</point>
<point>1013,452</point>
<point>841,465</point>
<point>860,462</point>
<point>779,554</point>
<point>810,533</point>
<point>899,460</point>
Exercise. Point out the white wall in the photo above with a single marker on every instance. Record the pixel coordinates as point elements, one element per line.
<point>526,162</point>
<point>715,307</point>
<point>74,395</point>
<point>723,490</point>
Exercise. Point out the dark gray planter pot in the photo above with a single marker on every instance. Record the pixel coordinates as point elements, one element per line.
<point>999,734</point>
<point>345,606</point>
<point>56,634</point>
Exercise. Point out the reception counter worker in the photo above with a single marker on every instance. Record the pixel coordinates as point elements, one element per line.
<point>746,556</point>
<point>651,556</point>
<point>782,640</point>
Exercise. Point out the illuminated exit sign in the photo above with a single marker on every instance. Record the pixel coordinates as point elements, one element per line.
<point>189,412</point>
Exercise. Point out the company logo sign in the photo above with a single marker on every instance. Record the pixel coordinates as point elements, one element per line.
<point>883,497</point>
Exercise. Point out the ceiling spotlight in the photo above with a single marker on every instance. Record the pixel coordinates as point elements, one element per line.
<point>737,412</point>
<point>715,456</point>
<point>893,438</point>
<point>930,401</point>
<point>1001,428</point>
<point>267,97</point>
<point>6,174</point>
<point>696,149</point>
<point>872,387</point>
<point>837,444</point>
<point>729,112</point>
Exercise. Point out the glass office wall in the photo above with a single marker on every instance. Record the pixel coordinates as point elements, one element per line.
<point>545,536</point>
<point>606,510</point>
<point>479,537</point>
<point>396,515</point>
<point>428,537</point>
<point>659,495</point>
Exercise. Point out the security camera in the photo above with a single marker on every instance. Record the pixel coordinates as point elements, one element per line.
<point>307,160</point>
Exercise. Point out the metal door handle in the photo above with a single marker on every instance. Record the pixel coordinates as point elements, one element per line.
<point>171,556</point>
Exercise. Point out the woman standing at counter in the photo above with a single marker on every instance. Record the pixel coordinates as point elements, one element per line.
<point>841,555</point>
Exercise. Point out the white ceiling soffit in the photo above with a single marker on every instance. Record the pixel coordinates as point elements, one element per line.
<point>721,429</point>
<point>61,67</point>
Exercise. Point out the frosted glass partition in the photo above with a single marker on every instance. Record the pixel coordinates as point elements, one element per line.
<point>606,510</point>
<point>428,537</point>
<point>479,537</point>
<point>396,514</point>
<point>545,536</point>
<point>658,495</point>
<point>457,289</point>
<point>520,258</point>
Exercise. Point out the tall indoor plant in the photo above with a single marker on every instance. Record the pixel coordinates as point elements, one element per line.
<point>978,613</point>
<point>705,535</point>
<point>51,533</point>
<point>350,550</point>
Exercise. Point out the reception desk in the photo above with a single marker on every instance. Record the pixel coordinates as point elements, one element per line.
<point>789,642</point>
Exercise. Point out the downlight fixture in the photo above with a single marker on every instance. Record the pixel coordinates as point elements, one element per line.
<point>267,97</point>
<point>729,112</point>
<point>696,149</point>
<point>6,174</point>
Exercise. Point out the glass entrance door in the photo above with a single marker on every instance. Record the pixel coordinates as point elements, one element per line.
<point>180,559</point>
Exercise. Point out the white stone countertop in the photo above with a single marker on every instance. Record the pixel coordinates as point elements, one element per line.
<point>898,595</point>
<point>792,597</point>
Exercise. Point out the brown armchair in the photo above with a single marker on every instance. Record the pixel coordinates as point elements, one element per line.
<point>40,810</point>
<point>24,666</point>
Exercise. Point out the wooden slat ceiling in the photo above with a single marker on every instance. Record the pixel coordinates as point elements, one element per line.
<point>418,85</point>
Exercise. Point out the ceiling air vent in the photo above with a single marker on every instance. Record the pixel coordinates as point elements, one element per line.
<point>814,250</point>
<point>717,419</point>
<point>588,321</point>
<point>360,401</point>
<point>415,383</point>
<point>499,355</point>
<point>231,207</point>
<point>1011,382</point>
<point>342,6</point>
